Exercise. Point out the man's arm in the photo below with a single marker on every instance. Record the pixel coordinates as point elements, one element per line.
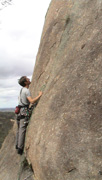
<point>33,100</point>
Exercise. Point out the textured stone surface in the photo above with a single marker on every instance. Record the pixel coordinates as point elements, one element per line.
<point>64,138</point>
<point>9,160</point>
<point>12,165</point>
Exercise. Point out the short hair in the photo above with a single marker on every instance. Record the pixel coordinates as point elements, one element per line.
<point>22,81</point>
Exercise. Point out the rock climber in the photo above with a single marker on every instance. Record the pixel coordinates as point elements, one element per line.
<point>23,117</point>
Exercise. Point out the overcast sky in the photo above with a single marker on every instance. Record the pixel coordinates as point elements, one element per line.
<point>21,26</point>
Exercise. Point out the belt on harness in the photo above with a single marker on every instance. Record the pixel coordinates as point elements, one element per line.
<point>24,106</point>
<point>22,116</point>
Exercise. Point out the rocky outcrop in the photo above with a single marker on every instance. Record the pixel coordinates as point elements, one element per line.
<point>9,160</point>
<point>64,137</point>
<point>13,166</point>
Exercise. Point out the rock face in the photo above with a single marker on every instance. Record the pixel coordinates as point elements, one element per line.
<point>12,165</point>
<point>9,160</point>
<point>64,137</point>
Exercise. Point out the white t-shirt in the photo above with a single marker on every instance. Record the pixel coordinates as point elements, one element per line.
<point>24,93</point>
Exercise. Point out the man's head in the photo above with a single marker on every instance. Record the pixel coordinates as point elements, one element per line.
<point>23,81</point>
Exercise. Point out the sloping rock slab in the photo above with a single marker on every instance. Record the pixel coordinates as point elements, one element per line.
<point>12,165</point>
<point>64,138</point>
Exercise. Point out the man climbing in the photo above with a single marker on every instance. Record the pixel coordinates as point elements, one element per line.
<point>22,118</point>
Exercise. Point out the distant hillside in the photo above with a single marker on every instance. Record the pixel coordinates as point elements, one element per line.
<point>5,124</point>
<point>6,109</point>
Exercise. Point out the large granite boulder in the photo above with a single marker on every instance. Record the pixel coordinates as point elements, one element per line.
<point>64,137</point>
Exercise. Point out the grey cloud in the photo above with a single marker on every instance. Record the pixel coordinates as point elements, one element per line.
<point>16,68</point>
<point>8,97</point>
<point>8,83</point>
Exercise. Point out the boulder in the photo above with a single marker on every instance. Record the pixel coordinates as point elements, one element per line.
<point>64,137</point>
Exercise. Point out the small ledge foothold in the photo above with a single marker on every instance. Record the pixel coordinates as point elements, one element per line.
<point>100,172</point>
<point>82,47</point>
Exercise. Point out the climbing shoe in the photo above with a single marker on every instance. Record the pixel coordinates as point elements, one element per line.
<point>20,151</point>
<point>16,147</point>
